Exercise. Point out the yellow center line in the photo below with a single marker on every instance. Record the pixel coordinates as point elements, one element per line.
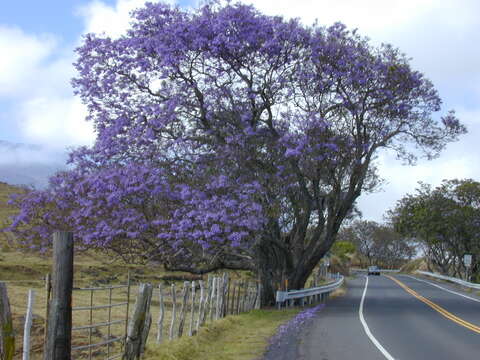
<point>438,308</point>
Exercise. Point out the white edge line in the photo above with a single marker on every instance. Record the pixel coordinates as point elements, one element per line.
<point>441,287</point>
<point>367,329</point>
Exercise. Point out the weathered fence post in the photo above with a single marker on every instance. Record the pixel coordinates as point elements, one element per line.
<point>227,299</point>
<point>239,288</point>
<point>258,302</point>
<point>161,315</point>
<point>208,299</point>
<point>212,297</point>
<point>225,282</point>
<point>192,310</point>
<point>232,298</point>
<point>244,296</point>
<point>201,305</point>
<point>148,321</point>
<point>59,331</point>
<point>251,299</point>
<point>174,312</point>
<point>7,339</point>
<point>183,309</point>
<point>139,325</point>
<point>48,292</point>
<point>28,325</point>
<point>218,297</point>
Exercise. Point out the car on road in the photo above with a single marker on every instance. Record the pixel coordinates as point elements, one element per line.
<point>373,270</point>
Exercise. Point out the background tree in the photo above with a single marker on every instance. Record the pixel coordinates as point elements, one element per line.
<point>446,220</point>
<point>231,139</point>
<point>378,244</point>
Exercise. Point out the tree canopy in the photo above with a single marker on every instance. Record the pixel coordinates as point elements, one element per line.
<point>228,138</point>
<point>446,220</point>
<point>378,244</point>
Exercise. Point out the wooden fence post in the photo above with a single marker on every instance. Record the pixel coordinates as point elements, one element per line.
<point>232,298</point>
<point>201,305</point>
<point>7,339</point>
<point>192,310</point>
<point>48,292</point>
<point>208,299</point>
<point>258,302</point>
<point>227,300</point>
<point>251,300</point>
<point>212,297</point>
<point>148,321</point>
<point>28,325</point>
<point>239,288</point>
<point>244,295</point>
<point>218,297</point>
<point>59,331</point>
<point>161,315</point>
<point>174,312</point>
<point>183,309</point>
<point>225,281</point>
<point>140,322</point>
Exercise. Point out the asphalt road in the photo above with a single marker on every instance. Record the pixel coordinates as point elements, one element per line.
<point>409,319</point>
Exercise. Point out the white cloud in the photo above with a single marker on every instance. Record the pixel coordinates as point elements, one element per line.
<point>370,15</point>
<point>22,55</point>
<point>111,20</point>
<point>35,77</point>
<point>57,121</point>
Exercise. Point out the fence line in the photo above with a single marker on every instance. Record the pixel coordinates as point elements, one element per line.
<point>192,305</point>
<point>197,302</point>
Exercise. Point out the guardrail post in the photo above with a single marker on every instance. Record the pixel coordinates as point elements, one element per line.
<point>59,331</point>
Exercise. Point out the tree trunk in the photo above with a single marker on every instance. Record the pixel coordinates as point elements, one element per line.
<point>276,266</point>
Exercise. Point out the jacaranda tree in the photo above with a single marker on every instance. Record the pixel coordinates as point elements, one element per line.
<point>231,139</point>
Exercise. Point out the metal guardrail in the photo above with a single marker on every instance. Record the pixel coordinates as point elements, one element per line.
<point>283,296</point>
<point>381,270</point>
<point>451,279</point>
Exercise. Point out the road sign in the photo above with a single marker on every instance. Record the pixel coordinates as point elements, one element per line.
<point>467,260</point>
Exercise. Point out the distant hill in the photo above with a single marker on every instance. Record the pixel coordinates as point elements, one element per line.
<point>6,210</point>
<point>31,165</point>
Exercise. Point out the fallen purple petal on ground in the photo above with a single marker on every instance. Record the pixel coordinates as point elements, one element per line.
<point>294,324</point>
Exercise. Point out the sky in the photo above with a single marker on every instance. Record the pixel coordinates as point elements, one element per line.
<point>37,106</point>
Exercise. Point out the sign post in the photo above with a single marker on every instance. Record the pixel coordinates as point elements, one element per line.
<point>467,261</point>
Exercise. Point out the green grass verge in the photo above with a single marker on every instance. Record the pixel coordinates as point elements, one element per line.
<point>241,337</point>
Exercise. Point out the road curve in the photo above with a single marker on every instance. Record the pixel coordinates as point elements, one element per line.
<point>408,317</point>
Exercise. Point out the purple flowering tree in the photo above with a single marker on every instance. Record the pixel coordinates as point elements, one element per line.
<point>231,139</point>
